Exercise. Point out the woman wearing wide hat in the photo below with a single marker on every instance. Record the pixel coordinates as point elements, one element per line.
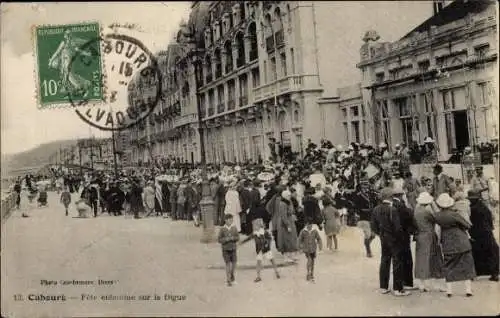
<point>428,255</point>
<point>457,249</point>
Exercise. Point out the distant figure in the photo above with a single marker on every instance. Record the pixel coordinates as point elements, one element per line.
<point>66,199</point>
<point>17,190</point>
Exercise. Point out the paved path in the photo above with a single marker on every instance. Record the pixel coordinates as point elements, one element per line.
<point>157,256</point>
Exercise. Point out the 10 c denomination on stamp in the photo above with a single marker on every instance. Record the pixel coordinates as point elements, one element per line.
<point>57,76</point>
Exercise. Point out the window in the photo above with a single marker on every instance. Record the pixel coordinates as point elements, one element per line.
<point>384,109</point>
<point>407,129</point>
<point>386,132</point>
<point>454,98</point>
<point>292,61</point>
<point>379,77</point>
<point>403,106</point>
<point>483,93</point>
<point>440,62</point>
<point>283,64</point>
<point>273,69</point>
<point>449,133</point>
<point>231,95</point>
<point>265,72</point>
<point>211,102</point>
<point>289,16</point>
<point>243,80</point>
<point>220,95</point>
<point>423,66</point>
<point>255,77</point>
<point>429,126</point>
<point>482,50</point>
<point>296,116</point>
<point>354,111</point>
<point>346,134</point>
<point>344,113</point>
<point>355,130</point>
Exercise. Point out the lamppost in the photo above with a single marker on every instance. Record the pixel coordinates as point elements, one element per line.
<point>206,204</point>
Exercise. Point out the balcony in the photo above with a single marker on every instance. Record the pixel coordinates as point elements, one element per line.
<point>220,107</point>
<point>211,111</point>
<point>284,85</point>
<point>185,120</point>
<point>270,44</point>
<point>231,104</point>
<point>243,101</point>
<point>280,39</point>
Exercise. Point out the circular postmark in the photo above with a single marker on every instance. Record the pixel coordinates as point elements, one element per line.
<point>133,82</point>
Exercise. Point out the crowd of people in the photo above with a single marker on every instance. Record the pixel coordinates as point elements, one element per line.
<point>291,201</point>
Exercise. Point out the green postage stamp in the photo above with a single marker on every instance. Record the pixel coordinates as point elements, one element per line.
<point>69,66</point>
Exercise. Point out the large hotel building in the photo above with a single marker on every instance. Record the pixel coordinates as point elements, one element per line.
<point>257,71</point>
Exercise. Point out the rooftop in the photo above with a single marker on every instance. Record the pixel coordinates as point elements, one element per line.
<point>457,10</point>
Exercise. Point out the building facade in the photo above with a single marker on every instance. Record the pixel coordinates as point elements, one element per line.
<point>438,81</point>
<point>254,71</point>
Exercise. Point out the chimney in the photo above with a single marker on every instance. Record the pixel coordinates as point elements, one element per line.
<point>438,6</point>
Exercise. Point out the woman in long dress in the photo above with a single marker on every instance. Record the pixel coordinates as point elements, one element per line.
<point>233,205</point>
<point>484,245</point>
<point>149,198</point>
<point>287,231</point>
<point>428,256</point>
<point>457,249</point>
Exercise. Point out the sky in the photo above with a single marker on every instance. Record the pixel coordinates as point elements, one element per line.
<point>23,125</point>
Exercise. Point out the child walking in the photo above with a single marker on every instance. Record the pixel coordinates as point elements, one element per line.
<point>262,238</point>
<point>228,236</point>
<point>309,241</point>
<point>66,199</point>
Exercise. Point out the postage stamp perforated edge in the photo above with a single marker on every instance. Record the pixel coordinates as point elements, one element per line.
<point>36,74</point>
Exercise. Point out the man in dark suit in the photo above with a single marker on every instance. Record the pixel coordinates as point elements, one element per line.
<point>93,197</point>
<point>247,199</point>
<point>385,222</point>
<point>409,228</point>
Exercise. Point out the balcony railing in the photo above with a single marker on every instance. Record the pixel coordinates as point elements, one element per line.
<point>211,111</point>
<point>284,85</point>
<point>270,44</point>
<point>220,107</point>
<point>243,101</point>
<point>231,104</point>
<point>186,119</point>
<point>280,38</point>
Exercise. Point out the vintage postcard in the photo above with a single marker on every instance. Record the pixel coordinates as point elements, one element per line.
<point>249,158</point>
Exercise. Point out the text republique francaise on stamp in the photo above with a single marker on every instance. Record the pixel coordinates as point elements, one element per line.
<point>131,73</point>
